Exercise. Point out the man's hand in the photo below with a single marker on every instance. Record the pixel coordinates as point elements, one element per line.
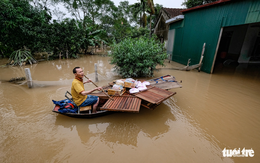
<point>87,81</point>
<point>98,88</point>
<point>88,92</point>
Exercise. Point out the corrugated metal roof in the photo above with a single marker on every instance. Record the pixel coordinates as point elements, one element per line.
<point>205,5</point>
<point>253,14</point>
<point>176,18</point>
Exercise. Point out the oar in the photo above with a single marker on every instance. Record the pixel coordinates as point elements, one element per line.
<point>101,88</point>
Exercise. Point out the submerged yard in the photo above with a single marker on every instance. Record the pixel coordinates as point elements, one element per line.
<point>209,113</point>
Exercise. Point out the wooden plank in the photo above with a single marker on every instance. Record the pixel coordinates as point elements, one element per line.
<point>134,104</point>
<point>155,95</point>
<point>106,104</point>
<point>85,108</point>
<point>150,97</point>
<point>138,105</point>
<point>117,103</point>
<point>162,93</point>
<point>121,102</point>
<point>124,103</point>
<point>129,103</point>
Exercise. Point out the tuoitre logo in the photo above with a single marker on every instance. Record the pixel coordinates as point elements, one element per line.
<point>238,153</point>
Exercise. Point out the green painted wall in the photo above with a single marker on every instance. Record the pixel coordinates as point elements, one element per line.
<point>204,25</point>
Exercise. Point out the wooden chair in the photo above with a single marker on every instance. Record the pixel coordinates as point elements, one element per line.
<point>85,108</point>
<point>80,109</point>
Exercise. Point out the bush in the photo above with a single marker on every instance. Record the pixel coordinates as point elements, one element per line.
<point>137,57</point>
<point>20,57</point>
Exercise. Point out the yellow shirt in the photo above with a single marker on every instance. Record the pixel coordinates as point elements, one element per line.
<point>76,88</point>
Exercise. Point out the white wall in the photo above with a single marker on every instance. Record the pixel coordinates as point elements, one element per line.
<point>170,42</point>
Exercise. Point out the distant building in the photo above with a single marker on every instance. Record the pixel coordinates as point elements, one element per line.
<point>161,28</point>
<point>230,29</point>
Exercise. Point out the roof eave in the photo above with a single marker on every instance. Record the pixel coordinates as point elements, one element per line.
<point>175,19</point>
<point>205,5</point>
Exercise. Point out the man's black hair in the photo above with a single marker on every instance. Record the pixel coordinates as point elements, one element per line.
<point>74,70</point>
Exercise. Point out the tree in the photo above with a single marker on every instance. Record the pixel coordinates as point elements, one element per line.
<point>94,10</point>
<point>153,18</point>
<point>139,9</point>
<point>151,11</point>
<point>145,6</point>
<point>136,57</point>
<point>22,24</point>
<point>71,36</point>
<point>193,3</point>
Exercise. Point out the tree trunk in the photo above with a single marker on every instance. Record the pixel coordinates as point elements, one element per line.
<point>141,19</point>
<point>101,46</point>
<point>150,25</point>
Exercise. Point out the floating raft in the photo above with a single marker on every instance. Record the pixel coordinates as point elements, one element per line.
<point>165,82</point>
<point>149,98</point>
<point>123,104</point>
<point>154,95</point>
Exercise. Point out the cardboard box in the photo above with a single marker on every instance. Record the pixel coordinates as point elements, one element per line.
<point>114,92</point>
<point>128,85</point>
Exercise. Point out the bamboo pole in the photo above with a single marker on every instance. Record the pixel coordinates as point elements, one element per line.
<point>101,88</point>
<point>96,74</point>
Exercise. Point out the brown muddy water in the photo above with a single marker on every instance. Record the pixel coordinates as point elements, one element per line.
<point>211,112</point>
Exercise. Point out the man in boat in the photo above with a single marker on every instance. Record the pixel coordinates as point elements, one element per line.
<point>79,95</point>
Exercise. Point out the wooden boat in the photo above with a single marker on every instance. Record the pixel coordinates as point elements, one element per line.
<point>155,94</point>
<point>84,112</point>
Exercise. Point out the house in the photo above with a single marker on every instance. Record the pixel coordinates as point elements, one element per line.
<point>161,28</point>
<point>230,29</point>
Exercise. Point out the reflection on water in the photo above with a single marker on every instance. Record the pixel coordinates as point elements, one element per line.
<point>122,128</point>
<point>211,112</point>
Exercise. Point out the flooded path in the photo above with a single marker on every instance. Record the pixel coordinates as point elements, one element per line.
<point>211,112</point>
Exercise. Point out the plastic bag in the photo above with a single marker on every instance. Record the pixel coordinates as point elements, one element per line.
<point>134,90</point>
<point>146,83</point>
<point>117,87</point>
<point>142,87</point>
<point>130,80</point>
<point>119,82</point>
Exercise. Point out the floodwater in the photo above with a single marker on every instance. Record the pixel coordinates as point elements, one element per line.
<point>209,113</point>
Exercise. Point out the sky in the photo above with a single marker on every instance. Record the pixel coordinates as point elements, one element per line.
<point>165,3</point>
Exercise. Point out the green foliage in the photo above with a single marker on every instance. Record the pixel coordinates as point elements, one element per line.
<point>20,57</point>
<point>193,3</point>
<point>152,18</point>
<point>5,51</point>
<point>137,57</point>
<point>26,26</point>
<point>138,32</point>
<point>70,36</point>
<point>21,24</point>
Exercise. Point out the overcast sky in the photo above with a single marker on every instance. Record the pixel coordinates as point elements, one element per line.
<point>165,3</point>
